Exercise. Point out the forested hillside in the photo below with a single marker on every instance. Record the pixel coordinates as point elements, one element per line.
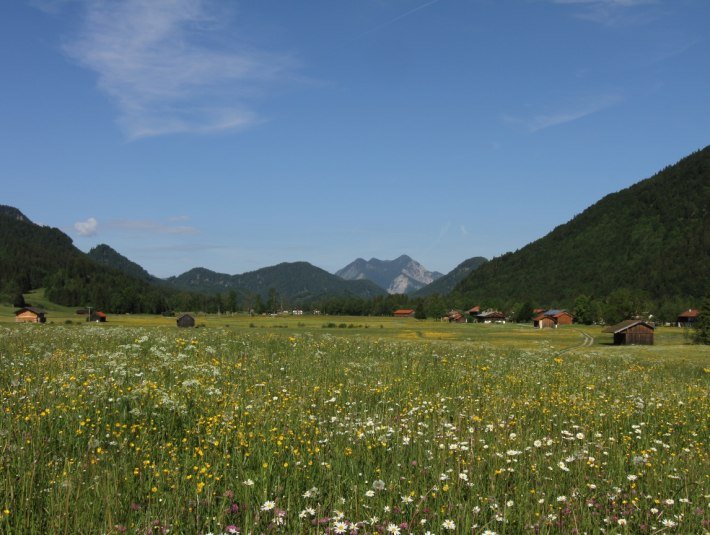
<point>651,239</point>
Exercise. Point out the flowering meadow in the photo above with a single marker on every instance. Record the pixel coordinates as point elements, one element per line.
<point>212,431</point>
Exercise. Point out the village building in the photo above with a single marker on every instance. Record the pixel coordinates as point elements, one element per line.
<point>97,316</point>
<point>630,332</point>
<point>185,320</point>
<point>455,316</point>
<point>404,313</point>
<point>490,316</point>
<point>30,315</point>
<point>688,318</point>
<point>473,311</point>
<point>552,318</point>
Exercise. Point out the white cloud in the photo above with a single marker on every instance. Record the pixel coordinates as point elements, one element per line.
<point>541,121</point>
<point>173,66</point>
<point>608,12</point>
<point>87,228</point>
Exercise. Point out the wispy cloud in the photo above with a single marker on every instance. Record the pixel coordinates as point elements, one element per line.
<point>173,66</point>
<point>609,12</point>
<point>149,227</point>
<point>541,121</point>
<point>397,18</point>
<point>90,227</point>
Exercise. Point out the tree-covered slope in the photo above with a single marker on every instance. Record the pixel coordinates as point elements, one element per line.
<point>448,282</point>
<point>34,256</point>
<point>107,256</point>
<point>653,236</point>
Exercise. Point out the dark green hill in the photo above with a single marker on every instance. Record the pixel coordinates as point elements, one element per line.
<point>448,282</point>
<point>653,236</point>
<point>296,283</point>
<point>34,256</point>
<point>107,256</point>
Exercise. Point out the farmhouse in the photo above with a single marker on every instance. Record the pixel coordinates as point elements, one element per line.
<point>404,313</point>
<point>185,320</point>
<point>552,318</point>
<point>455,316</point>
<point>490,316</point>
<point>97,316</point>
<point>30,315</point>
<point>688,318</point>
<point>473,311</point>
<point>632,332</point>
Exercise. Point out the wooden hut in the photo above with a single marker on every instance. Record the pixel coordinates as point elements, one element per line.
<point>404,313</point>
<point>185,320</point>
<point>632,332</point>
<point>552,318</point>
<point>97,316</point>
<point>688,318</point>
<point>490,316</point>
<point>455,316</point>
<point>30,315</point>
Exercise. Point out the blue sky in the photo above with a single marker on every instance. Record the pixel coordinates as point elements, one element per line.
<point>237,135</point>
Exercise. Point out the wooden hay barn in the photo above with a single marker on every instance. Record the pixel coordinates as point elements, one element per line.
<point>490,316</point>
<point>185,320</point>
<point>404,313</point>
<point>688,318</point>
<point>97,316</point>
<point>632,332</point>
<point>30,315</point>
<point>552,318</point>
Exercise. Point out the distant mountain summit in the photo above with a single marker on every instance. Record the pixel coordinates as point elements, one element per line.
<point>399,276</point>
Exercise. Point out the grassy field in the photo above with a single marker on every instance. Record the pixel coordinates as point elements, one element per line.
<point>344,425</point>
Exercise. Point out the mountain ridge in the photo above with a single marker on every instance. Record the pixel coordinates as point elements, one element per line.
<point>403,275</point>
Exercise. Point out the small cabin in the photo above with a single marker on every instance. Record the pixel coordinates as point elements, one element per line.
<point>97,316</point>
<point>185,320</point>
<point>30,315</point>
<point>404,313</point>
<point>455,316</point>
<point>688,318</point>
<point>473,311</point>
<point>632,332</point>
<point>490,316</point>
<point>552,318</point>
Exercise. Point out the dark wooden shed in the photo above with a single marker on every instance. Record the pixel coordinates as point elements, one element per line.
<point>185,320</point>
<point>630,332</point>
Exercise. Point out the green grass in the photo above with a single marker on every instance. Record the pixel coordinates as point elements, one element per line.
<point>118,428</point>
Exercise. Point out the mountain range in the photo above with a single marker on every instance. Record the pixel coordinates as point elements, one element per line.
<point>399,276</point>
<point>652,238</point>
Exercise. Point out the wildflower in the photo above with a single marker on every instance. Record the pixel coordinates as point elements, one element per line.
<point>268,505</point>
<point>632,477</point>
<point>667,522</point>
<point>463,476</point>
<point>370,493</point>
<point>621,521</point>
<point>232,529</point>
<point>669,501</point>
<point>448,524</point>
<point>393,528</point>
<point>340,527</point>
<point>562,499</point>
<point>509,503</point>
<point>378,484</point>
<point>537,443</point>
<point>407,499</point>
<point>248,483</point>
